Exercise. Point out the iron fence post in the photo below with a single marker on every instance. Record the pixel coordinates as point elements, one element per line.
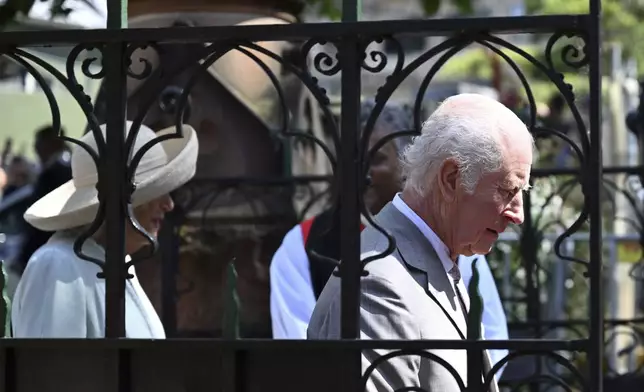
<point>528,250</point>
<point>351,61</point>
<point>594,189</point>
<point>170,242</point>
<point>350,199</point>
<point>113,173</point>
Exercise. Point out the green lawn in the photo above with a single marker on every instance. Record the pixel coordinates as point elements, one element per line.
<point>22,114</point>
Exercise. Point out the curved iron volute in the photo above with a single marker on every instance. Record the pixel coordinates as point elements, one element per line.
<point>169,99</point>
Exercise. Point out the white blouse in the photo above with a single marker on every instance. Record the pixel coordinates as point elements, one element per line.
<point>60,296</point>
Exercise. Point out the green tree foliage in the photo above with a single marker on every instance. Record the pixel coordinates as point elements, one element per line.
<point>621,21</point>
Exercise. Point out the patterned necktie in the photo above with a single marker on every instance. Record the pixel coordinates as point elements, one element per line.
<point>455,273</point>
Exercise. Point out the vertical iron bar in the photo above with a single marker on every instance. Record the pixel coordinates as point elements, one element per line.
<point>114,170</point>
<point>528,250</point>
<point>117,14</point>
<point>8,372</point>
<point>593,191</point>
<point>351,62</point>
<point>349,174</point>
<point>351,10</point>
<point>350,266</point>
<point>113,177</point>
<point>169,241</point>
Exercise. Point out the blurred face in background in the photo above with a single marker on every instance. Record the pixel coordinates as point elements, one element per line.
<point>19,173</point>
<point>384,172</point>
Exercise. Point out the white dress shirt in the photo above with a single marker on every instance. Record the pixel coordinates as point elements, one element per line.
<point>60,296</point>
<point>292,298</point>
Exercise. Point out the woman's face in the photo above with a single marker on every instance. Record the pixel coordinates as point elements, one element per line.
<point>384,171</point>
<point>150,216</point>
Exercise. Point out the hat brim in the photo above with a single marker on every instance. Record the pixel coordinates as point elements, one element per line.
<point>68,206</point>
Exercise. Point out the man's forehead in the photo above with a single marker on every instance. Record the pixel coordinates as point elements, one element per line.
<point>518,162</point>
<point>517,176</point>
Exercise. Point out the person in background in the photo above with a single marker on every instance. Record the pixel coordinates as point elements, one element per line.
<point>59,294</point>
<point>16,198</point>
<point>3,179</point>
<point>556,120</point>
<point>55,170</point>
<point>20,173</point>
<point>297,277</point>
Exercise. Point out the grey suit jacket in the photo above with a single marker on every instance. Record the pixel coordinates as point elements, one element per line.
<point>396,303</point>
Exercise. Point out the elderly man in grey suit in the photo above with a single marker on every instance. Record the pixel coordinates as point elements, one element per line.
<point>464,177</point>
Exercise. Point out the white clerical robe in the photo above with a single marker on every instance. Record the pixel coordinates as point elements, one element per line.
<point>60,296</point>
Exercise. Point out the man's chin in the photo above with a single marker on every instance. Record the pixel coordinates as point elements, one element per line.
<point>479,249</point>
<point>467,252</point>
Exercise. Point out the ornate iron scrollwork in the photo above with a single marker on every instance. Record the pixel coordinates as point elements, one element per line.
<point>174,98</point>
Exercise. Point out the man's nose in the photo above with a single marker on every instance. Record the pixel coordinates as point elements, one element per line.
<point>514,212</point>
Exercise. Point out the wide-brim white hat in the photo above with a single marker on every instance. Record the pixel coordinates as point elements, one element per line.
<point>163,168</point>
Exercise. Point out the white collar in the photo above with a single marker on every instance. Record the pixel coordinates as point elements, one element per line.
<point>438,245</point>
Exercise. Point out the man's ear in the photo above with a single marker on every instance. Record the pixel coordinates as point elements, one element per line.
<point>448,176</point>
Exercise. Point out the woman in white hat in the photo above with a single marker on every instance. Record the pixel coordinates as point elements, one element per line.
<point>59,294</point>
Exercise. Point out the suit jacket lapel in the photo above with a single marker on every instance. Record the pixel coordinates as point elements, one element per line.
<point>426,268</point>
<point>424,264</point>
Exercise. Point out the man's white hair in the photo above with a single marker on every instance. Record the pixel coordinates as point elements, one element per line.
<point>469,128</point>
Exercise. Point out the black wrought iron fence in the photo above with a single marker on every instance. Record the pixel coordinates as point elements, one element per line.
<point>114,364</point>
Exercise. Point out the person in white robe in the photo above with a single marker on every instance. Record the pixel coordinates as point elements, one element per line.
<point>59,294</point>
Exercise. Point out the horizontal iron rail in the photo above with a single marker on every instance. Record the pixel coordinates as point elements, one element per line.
<point>438,27</point>
<point>256,344</point>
